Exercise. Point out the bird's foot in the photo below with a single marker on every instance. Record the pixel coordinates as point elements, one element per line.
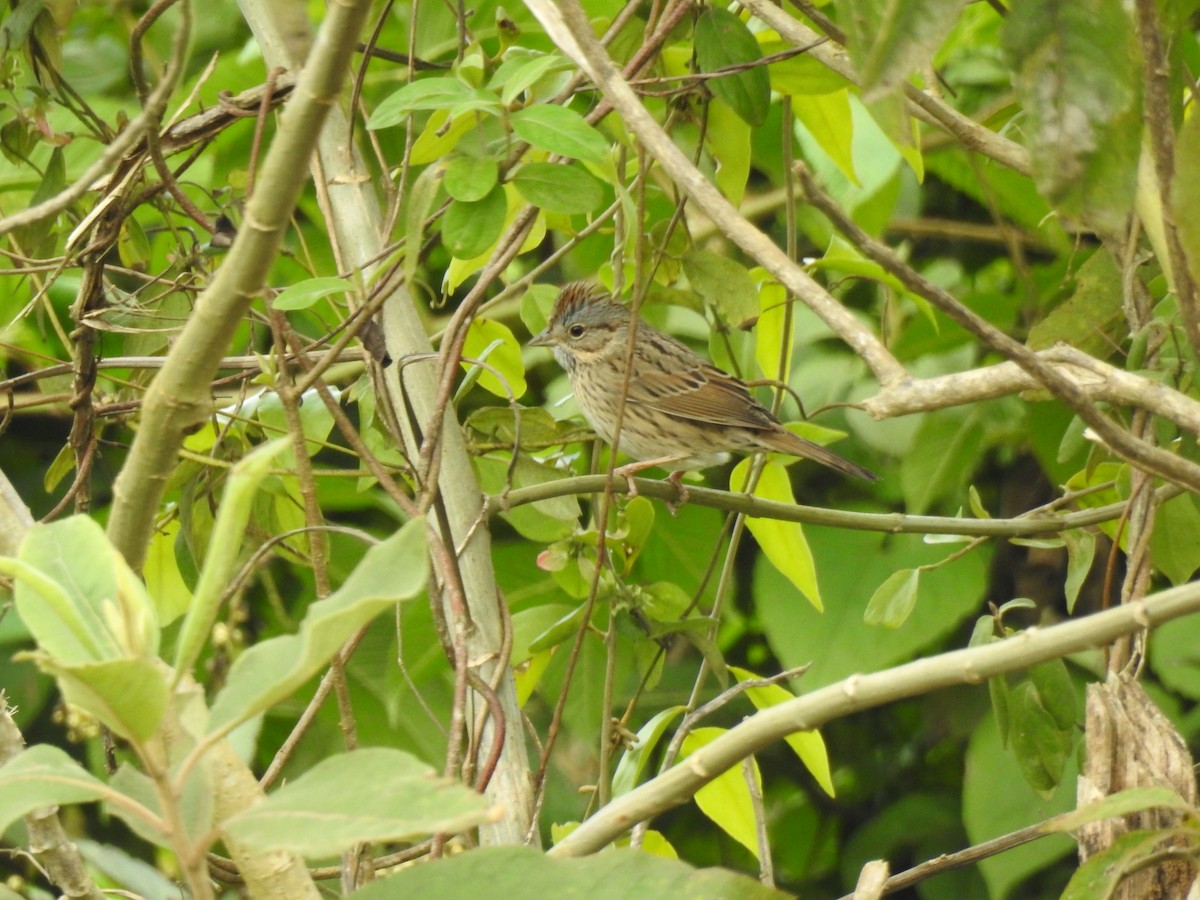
<point>684,496</point>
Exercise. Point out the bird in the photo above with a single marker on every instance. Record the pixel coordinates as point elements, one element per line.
<point>681,412</point>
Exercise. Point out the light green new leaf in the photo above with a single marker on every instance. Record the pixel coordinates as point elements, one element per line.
<point>391,571</point>
<point>561,130</point>
<point>722,39</point>
<point>894,600</point>
<point>808,745</point>
<point>304,294</point>
<point>372,794</point>
<point>725,799</point>
<point>128,695</point>
<point>78,596</point>
<point>1081,551</point>
<point>428,93</point>
<point>783,542</point>
<point>523,873</point>
<point>44,776</point>
<point>1100,875</point>
<point>241,489</point>
<point>492,342</point>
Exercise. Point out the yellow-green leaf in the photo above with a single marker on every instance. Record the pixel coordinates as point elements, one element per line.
<point>808,745</point>
<point>491,342</point>
<point>725,799</point>
<point>783,542</point>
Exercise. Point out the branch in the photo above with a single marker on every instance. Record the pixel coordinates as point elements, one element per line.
<point>1096,379</point>
<point>890,523</point>
<point>859,692</point>
<point>567,24</point>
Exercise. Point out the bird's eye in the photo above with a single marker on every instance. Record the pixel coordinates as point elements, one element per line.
<point>575,331</point>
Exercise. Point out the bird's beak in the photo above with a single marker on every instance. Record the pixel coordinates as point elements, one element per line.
<point>541,339</point>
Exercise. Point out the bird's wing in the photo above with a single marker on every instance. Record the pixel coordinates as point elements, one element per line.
<point>700,392</point>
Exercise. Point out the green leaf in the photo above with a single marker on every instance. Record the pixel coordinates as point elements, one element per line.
<point>1185,193</point>
<point>724,284</point>
<point>722,39</point>
<point>1081,551</point>
<point>470,178</point>
<point>634,760</point>
<point>1057,694</point>
<point>523,873</point>
<point>41,776</point>
<point>808,745</point>
<point>371,794</point>
<point>561,130</point>
<point>469,228</point>
<point>391,571</point>
<point>78,596</point>
<point>1040,746</point>
<point>927,477</point>
<point>304,294</point>
<point>1078,74</point>
<point>728,140</point>
<point>997,800</point>
<point>1173,545</point>
<point>1092,319</point>
<point>559,189</point>
<point>164,581</point>
<point>725,799</point>
<point>893,38</point>
<point>427,94</point>
<point>894,600</point>
<point>492,342</point>
<point>783,542</point>
<point>773,347</point>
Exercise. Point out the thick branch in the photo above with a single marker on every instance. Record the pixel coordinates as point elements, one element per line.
<point>1098,380</point>
<point>859,692</point>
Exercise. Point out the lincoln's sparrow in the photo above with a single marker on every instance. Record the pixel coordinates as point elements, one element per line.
<point>680,412</point>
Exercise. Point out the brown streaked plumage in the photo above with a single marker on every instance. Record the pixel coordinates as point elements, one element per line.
<point>680,411</point>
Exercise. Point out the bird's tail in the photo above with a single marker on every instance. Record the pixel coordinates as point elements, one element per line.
<point>783,441</point>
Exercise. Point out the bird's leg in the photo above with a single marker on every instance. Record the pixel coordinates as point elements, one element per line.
<point>629,469</point>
